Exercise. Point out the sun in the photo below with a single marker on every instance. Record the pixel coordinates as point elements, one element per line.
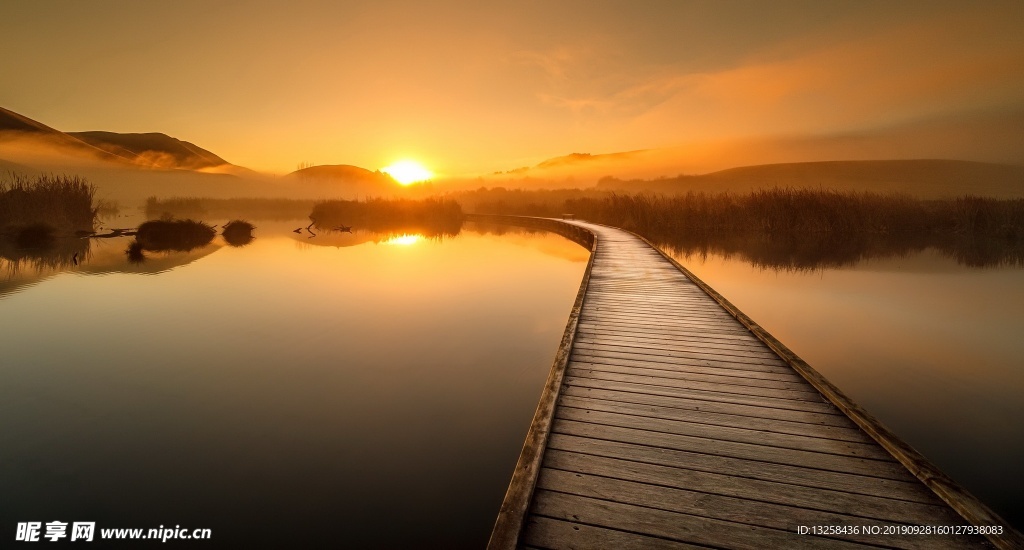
<point>408,172</point>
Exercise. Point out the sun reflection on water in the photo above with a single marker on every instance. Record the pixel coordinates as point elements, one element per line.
<point>404,240</point>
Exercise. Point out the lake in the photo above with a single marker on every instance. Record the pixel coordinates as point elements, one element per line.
<point>376,390</point>
<point>931,347</point>
<point>294,392</point>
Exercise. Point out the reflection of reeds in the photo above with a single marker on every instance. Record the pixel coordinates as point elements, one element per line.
<point>135,253</point>
<point>238,232</point>
<point>54,254</point>
<point>427,217</point>
<point>65,203</point>
<point>250,208</point>
<point>174,235</point>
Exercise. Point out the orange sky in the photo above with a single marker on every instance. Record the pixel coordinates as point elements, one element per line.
<point>467,87</point>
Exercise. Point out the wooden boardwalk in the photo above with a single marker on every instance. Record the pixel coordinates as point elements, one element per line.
<point>668,422</point>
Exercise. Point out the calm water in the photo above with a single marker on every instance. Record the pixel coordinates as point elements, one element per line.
<point>933,349</point>
<point>338,390</point>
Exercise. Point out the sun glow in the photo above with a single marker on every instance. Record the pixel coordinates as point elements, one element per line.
<point>408,172</point>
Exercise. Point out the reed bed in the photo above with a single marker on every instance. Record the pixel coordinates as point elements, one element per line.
<point>430,217</point>
<point>795,228</point>
<point>249,208</point>
<point>64,203</point>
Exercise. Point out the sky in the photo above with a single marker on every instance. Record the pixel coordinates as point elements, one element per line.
<point>473,87</point>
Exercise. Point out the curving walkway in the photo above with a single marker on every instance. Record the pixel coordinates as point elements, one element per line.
<point>674,426</point>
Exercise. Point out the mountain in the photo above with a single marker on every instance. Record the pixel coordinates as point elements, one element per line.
<point>930,178</point>
<point>17,128</point>
<point>152,149</point>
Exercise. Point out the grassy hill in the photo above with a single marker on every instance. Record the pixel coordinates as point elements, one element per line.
<point>928,178</point>
<point>349,180</point>
<point>150,150</point>
<point>154,149</point>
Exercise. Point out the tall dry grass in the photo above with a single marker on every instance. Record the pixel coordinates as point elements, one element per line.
<point>783,212</point>
<point>64,203</point>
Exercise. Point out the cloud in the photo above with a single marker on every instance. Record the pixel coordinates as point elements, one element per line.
<point>950,63</point>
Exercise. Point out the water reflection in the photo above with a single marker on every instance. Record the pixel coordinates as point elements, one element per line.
<point>404,240</point>
<point>270,390</point>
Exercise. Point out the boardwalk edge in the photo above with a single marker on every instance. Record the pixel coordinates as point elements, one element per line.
<point>509,524</point>
<point>959,499</point>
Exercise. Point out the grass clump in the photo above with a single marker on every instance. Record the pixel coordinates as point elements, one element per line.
<point>238,232</point>
<point>174,235</point>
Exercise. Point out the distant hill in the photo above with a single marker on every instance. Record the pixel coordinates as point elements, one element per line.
<point>348,179</point>
<point>154,149</point>
<point>13,125</point>
<point>928,178</point>
<point>151,150</point>
<point>339,171</point>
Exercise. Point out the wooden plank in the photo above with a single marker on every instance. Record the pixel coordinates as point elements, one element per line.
<point>707,360</point>
<point>714,419</point>
<point>768,455</point>
<point>667,348</point>
<point>702,374</point>
<point>677,338</point>
<point>544,532</point>
<point>660,489</point>
<point>797,442</point>
<point>672,525</point>
<point>666,331</point>
<point>582,388</point>
<point>718,397</point>
<point>610,320</point>
<point>597,373</point>
<point>692,366</point>
<point>908,488</point>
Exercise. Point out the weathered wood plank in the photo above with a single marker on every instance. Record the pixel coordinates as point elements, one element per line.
<point>547,533</point>
<point>679,349</point>
<point>647,486</point>
<point>729,434</point>
<point>583,388</point>
<point>700,374</point>
<point>768,455</point>
<point>759,425</point>
<point>718,397</point>
<point>681,338</point>
<point>687,383</point>
<point>742,469</point>
<point>743,374</point>
<point>707,360</point>
<point>672,525</point>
